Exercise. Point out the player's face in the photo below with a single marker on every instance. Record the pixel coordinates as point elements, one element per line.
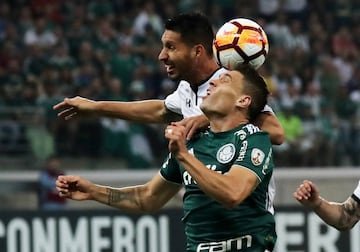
<point>224,93</point>
<point>176,56</point>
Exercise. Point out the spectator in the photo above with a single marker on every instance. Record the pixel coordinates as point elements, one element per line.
<point>48,197</point>
<point>39,35</point>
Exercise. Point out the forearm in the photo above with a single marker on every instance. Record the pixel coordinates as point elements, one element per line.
<point>212,183</point>
<point>149,111</point>
<point>342,216</point>
<point>268,122</point>
<point>127,199</point>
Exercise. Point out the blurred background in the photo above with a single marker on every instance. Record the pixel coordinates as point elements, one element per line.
<point>107,50</point>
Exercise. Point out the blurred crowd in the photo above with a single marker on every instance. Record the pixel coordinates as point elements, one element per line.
<point>107,50</point>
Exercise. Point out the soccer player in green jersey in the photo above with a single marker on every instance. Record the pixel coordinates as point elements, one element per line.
<point>225,172</point>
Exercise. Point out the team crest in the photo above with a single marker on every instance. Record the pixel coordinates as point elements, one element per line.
<point>225,153</point>
<point>257,156</point>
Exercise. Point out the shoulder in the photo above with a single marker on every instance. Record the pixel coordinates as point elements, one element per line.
<point>252,133</point>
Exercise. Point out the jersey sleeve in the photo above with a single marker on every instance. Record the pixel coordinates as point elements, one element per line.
<point>256,154</point>
<point>268,109</point>
<point>356,193</point>
<point>173,101</point>
<point>170,170</point>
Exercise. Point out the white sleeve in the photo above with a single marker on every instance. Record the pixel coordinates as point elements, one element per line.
<point>357,191</point>
<point>267,108</point>
<point>173,102</point>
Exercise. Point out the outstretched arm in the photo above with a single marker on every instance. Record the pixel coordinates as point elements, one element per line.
<point>267,121</point>
<point>342,216</point>
<point>148,111</point>
<point>143,198</point>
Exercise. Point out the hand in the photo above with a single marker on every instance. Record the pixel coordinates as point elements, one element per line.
<point>176,135</point>
<point>308,194</point>
<point>73,187</point>
<point>194,124</point>
<point>72,107</point>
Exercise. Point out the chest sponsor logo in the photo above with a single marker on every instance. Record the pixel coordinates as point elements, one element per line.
<point>225,153</point>
<point>257,156</point>
<point>236,244</point>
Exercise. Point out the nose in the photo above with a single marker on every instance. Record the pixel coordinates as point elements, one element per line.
<point>162,55</point>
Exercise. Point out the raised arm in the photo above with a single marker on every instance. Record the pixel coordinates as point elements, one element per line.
<point>149,197</point>
<point>229,190</point>
<point>342,216</point>
<point>266,121</point>
<point>148,111</point>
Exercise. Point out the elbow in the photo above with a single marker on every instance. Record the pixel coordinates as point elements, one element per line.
<point>342,228</point>
<point>345,227</point>
<point>278,138</point>
<point>232,200</point>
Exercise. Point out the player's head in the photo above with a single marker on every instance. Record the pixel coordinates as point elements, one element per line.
<point>240,89</point>
<point>187,39</point>
<point>194,28</point>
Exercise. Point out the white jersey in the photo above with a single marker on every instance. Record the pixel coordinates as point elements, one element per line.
<point>357,191</point>
<point>186,102</point>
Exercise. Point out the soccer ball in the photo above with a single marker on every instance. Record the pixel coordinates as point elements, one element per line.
<point>240,40</point>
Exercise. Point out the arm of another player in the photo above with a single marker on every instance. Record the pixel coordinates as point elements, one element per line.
<point>149,197</point>
<point>230,189</point>
<point>194,124</point>
<point>342,216</point>
<point>267,121</point>
<point>147,111</point>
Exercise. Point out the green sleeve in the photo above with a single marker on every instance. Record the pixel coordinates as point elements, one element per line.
<point>170,170</point>
<point>256,154</point>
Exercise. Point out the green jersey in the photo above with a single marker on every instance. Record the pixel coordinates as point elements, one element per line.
<point>210,226</point>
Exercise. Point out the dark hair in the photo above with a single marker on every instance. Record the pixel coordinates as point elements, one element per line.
<point>255,86</point>
<point>194,28</point>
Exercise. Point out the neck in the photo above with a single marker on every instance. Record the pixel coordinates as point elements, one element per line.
<point>201,74</point>
<point>221,123</point>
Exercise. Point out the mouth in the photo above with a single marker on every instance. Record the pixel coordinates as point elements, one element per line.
<point>208,93</point>
<point>169,68</point>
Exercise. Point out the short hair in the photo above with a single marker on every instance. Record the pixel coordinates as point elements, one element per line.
<point>255,86</point>
<point>194,28</point>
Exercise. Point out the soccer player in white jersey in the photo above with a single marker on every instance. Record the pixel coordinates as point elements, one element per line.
<point>342,216</point>
<point>188,57</point>
<point>225,171</point>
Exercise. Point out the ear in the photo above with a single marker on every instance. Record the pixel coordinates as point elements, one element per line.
<point>244,101</point>
<point>197,50</point>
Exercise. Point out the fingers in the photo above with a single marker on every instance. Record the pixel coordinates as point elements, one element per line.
<point>68,114</point>
<point>303,192</point>
<point>191,132</point>
<point>58,106</point>
<point>63,104</point>
<point>68,110</point>
<point>65,185</point>
<point>174,131</point>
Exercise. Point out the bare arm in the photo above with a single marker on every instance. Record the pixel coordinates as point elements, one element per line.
<point>230,189</point>
<point>148,111</point>
<point>342,216</point>
<point>143,198</point>
<point>268,122</point>
<point>194,124</point>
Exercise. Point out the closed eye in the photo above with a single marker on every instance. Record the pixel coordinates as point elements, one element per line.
<point>225,78</point>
